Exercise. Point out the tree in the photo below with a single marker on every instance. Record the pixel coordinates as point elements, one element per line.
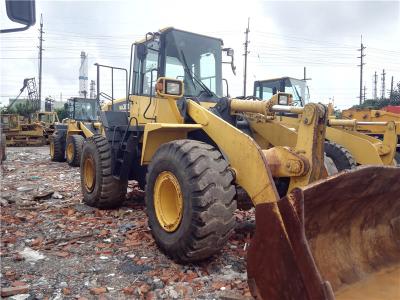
<point>378,104</point>
<point>62,113</point>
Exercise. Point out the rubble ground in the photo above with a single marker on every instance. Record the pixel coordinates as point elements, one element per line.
<point>55,247</point>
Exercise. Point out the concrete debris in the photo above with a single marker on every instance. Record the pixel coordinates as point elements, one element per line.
<point>31,255</point>
<point>25,189</point>
<point>55,247</point>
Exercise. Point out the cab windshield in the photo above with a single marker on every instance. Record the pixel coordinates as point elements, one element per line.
<point>46,118</point>
<point>83,109</point>
<point>265,89</point>
<point>196,60</point>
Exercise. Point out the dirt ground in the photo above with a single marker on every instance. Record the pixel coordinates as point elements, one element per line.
<point>55,247</point>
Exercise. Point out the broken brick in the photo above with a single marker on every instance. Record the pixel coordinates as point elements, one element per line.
<point>144,288</point>
<point>37,242</point>
<point>128,290</point>
<point>18,283</point>
<point>16,290</point>
<point>66,291</point>
<point>62,254</point>
<point>98,290</point>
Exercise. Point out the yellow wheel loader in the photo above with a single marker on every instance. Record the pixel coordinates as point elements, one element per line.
<point>67,140</point>
<point>345,144</point>
<point>192,149</point>
<point>378,119</point>
<point>48,120</point>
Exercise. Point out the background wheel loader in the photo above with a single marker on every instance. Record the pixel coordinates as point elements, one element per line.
<point>193,149</point>
<point>376,117</point>
<point>346,145</point>
<point>67,140</point>
<point>48,120</point>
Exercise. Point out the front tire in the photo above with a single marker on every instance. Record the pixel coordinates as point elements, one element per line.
<point>74,150</point>
<point>190,200</point>
<point>99,188</point>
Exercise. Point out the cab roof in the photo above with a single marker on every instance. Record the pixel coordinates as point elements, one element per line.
<point>168,29</point>
<point>278,78</point>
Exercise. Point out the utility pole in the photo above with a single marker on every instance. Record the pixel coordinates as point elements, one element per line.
<point>305,75</point>
<point>246,45</point>
<point>361,68</point>
<point>40,58</point>
<point>383,84</point>
<point>365,93</point>
<point>391,90</point>
<point>375,95</point>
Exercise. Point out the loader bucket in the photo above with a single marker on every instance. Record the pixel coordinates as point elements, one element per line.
<point>338,237</point>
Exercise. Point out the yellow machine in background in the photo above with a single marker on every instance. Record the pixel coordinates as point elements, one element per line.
<point>20,132</point>
<point>372,115</point>
<point>67,140</point>
<point>48,120</point>
<point>193,149</point>
<point>346,144</point>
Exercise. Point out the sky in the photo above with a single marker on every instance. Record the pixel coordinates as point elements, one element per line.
<point>285,37</point>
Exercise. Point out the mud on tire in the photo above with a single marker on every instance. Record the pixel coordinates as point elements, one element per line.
<point>107,191</point>
<point>208,200</point>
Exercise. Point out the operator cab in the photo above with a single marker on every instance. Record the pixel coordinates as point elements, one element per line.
<point>192,58</point>
<point>265,89</point>
<point>47,117</point>
<point>83,109</point>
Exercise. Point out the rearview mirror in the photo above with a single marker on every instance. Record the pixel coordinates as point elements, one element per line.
<point>21,11</point>
<point>231,54</point>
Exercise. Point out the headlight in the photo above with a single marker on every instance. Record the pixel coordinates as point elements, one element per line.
<point>283,100</point>
<point>173,88</point>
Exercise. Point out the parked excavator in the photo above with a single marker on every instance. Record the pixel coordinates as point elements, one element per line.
<point>192,149</point>
<point>346,144</point>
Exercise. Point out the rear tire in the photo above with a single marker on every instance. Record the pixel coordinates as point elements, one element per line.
<point>3,142</point>
<point>340,156</point>
<point>75,145</point>
<point>99,188</point>
<point>397,158</point>
<point>57,148</point>
<point>207,215</point>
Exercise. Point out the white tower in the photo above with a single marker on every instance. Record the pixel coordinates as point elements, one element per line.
<point>83,76</point>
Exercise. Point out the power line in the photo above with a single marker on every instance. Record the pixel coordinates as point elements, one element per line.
<point>391,89</point>
<point>383,84</point>
<point>40,57</point>
<point>365,93</point>
<point>361,65</point>
<point>375,95</point>
<point>246,52</point>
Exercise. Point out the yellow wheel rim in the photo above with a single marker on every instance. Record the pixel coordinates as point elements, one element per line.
<point>51,149</point>
<point>70,152</point>
<point>168,201</point>
<point>89,174</point>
